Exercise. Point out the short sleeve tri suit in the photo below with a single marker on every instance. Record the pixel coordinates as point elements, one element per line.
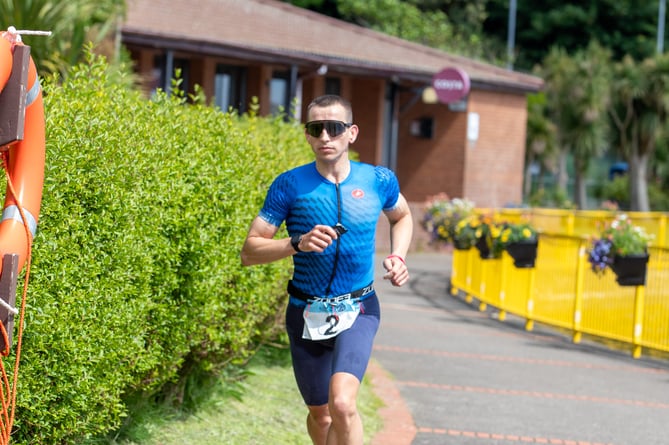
<point>303,198</point>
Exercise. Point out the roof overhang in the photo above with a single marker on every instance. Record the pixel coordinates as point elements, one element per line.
<point>307,60</point>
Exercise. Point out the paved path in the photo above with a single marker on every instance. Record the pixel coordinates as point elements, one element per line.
<point>454,375</point>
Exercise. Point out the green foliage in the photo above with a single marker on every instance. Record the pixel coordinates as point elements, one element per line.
<point>517,233</point>
<point>449,25</point>
<point>627,238</point>
<point>491,236</point>
<point>623,26</point>
<point>576,89</point>
<point>257,404</point>
<point>541,143</point>
<point>618,238</point>
<point>618,191</point>
<point>136,281</point>
<point>72,23</point>
<point>479,28</point>
<point>400,19</point>
<point>550,197</point>
<point>488,232</point>
<point>658,197</point>
<point>465,232</point>
<point>571,44</point>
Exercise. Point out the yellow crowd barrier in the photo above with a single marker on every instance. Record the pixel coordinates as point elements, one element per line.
<point>562,291</point>
<point>583,222</point>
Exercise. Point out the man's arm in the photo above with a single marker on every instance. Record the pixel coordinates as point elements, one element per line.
<point>260,247</point>
<point>401,232</point>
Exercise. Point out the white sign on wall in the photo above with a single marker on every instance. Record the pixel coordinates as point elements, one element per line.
<point>473,127</point>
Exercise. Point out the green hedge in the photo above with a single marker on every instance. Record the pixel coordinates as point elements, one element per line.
<point>136,280</point>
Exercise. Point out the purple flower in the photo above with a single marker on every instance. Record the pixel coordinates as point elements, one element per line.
<point>601,255</point>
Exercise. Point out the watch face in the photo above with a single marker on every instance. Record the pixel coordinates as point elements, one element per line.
<point>295,242</point>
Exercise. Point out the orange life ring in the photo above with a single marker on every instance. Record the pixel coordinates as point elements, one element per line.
<point>25,163</point>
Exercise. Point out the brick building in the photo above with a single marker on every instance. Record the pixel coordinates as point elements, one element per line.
<point>235,50</point>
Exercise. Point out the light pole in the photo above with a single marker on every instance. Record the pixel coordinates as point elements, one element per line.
<point>660,26</point>
<point>511,36</point>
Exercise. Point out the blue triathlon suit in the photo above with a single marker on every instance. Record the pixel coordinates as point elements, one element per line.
<point>303,198</point>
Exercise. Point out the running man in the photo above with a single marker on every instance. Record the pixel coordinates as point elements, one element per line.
<point>331,208</point>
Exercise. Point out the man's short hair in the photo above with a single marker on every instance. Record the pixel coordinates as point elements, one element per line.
<point>329,100</point>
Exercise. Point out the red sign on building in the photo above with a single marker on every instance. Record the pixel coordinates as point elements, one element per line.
<point>451,84</point>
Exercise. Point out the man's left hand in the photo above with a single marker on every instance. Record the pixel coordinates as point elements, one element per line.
<point>397,271</point>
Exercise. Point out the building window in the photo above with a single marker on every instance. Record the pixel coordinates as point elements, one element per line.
<point>163,63</point>
<point>333,85</point>
<point>279,93</point>
<point>230,88</point>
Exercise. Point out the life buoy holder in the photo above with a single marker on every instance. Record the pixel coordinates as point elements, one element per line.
<point>24,158</point>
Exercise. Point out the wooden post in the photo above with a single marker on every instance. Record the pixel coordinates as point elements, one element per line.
<point>8,279</point>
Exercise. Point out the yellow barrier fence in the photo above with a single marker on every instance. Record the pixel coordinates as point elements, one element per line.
<point>562,291</point>
<point>583,222</point>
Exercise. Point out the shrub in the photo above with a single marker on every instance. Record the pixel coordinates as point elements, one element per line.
<point>618,191</point>
<point>136,281</point>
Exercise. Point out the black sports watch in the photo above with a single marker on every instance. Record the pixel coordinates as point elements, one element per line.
<point>295,242</point>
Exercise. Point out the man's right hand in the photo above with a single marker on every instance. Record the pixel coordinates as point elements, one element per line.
<point>318,239</point>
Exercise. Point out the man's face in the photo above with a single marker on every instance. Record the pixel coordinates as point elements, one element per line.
<point>328,147</point>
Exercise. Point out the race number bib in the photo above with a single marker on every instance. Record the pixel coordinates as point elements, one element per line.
<point>324,319</point>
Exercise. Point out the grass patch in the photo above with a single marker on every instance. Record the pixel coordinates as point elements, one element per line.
<point>261,405</point>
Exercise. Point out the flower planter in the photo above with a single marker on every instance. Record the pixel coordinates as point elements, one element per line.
<point>484,250</point>
<point>461,245</point>
<point>630,270</point>
<point>524,253</point>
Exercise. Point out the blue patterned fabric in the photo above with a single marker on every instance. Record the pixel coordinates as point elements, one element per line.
<point>302,198</point>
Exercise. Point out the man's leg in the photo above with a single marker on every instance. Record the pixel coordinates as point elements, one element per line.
<point>318,424</point>
<point>312,366</point>
<point>346,428</point>
<point>351,356</point>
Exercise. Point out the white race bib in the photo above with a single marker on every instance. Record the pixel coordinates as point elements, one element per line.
<point>324,319</point>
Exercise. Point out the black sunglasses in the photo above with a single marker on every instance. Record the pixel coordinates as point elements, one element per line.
<point>334,128</point>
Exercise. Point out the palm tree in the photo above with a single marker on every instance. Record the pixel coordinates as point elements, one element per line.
<point>541,144</point>
<point>72,23</point>
<point>577,90</point>
<point>640,102</point>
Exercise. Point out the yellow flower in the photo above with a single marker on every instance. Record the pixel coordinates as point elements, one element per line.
<point>506,233</point>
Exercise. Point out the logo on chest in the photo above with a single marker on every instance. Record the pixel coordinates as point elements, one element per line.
<point>357,193</point>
